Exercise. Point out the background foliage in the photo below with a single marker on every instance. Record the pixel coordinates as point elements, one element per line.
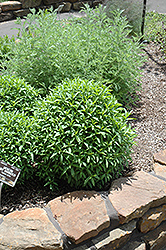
<point>95,47</point>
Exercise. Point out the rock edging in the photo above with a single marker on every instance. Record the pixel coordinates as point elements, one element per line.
<point>12,9</point>
<point>132,215</point>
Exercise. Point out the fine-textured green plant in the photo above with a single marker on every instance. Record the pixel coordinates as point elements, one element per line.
<point>79,134</point>
<point>16,95</point>
<point>155,28</point>
<point>95,47</point>
<point>5,49</point>
<point>132,9</point>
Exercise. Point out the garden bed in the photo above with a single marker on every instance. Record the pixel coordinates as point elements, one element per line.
<point>149,124</point>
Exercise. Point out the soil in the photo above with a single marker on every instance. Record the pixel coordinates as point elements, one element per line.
<point>149,124</point>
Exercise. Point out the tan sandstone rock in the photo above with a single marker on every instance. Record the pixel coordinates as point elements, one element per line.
<point>133,196</point>
<point>22,12</point>
<point>29,229</point>
<point>160,169</point>
<point>152,219</point>
<point>160,157</point>
<point>156,239</point>
<point>10,5</point>
<point>81,214</point>
<point>115,238</point>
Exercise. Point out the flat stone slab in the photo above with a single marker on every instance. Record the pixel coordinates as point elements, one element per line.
<point>81,214</point>
<point>22,12</point>
<point>160,169</point>
<point>115,238</point>
<point>156,239</point>
<point>29,229</point>
<point>160,157</point>
<point>10,5</point>
<point>133,196</point>
<point>152,219</point>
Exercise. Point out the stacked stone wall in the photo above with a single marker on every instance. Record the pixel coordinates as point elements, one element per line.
<point>130,216</point>
<point>12,9</point>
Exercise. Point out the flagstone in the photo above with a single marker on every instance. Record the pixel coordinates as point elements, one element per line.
<point>159,169</point>
<point>10,5</point>
<point>81,214</point>
<point>115,238</point>
<point>29,229</point>
<point>133,196</point>
<point>152,219</point>
<point>160,157</point>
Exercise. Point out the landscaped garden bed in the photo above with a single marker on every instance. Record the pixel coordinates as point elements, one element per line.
<point>76,97</point>
<point>149,125</point>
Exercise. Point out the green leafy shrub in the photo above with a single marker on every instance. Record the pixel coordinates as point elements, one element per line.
<point>95,47</point>
<point>15,146</point>
<point>131,9</point>
<point>15,94</point>
<point>155,28</point>
<point>5,49</point>
<point>79,134</point>
<point>83,136</point>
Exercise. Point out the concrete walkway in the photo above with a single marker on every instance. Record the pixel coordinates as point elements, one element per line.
<point>157,5</point>
<point>10,28</point>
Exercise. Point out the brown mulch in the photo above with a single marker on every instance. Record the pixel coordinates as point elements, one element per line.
<point>149,124</point>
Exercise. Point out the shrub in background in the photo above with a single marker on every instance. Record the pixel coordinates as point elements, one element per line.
<point>132,9</point>
<point>95,47</point>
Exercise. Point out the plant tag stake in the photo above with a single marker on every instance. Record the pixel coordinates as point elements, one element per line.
<point>8,175</point>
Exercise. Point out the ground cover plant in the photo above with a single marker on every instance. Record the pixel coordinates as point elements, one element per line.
<point>63,129</point>
<point>95,48</point>
<point>156,29</point>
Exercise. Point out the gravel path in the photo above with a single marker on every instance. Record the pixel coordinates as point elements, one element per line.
<point>149,123</point>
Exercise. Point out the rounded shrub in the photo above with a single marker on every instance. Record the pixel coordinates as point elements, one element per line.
<point>80,134</point>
